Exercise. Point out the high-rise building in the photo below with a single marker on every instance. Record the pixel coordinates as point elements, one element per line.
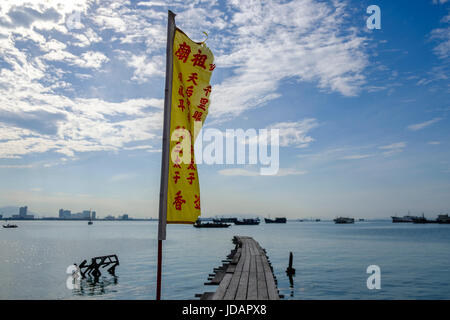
<point>65,214</point>
<point>93,215</point>
<point>23,214</point>
<point>23,211</point>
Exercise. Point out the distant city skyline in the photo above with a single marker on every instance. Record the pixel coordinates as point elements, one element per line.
<point>363,114</point>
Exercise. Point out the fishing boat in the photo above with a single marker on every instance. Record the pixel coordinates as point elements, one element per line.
<point>199,224</point>
<point>343,220</point>
<point>247,222</point>
<point>276,220</point>
<point>90,222</point>
<point>9,226</point>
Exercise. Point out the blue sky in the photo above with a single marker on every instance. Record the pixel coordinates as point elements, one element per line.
<point>363,114</point>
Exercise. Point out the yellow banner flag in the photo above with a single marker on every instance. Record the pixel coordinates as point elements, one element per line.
<point>193,64</point>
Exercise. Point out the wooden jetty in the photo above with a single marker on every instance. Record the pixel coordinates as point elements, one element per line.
<point>247,274</point>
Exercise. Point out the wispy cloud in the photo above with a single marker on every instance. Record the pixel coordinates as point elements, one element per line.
<point>122,177</point>
<point>254,173</point>
<point>357,156</point>
<point>393,148</point>
<point>423,125</point>
<point>442,35</point>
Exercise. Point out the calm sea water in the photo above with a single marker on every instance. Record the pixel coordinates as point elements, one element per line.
<point>330,260</point>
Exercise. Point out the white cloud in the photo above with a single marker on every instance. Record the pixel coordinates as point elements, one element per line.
<point>295,133</point>
<point>275,41</point>
<point>423,125</point>
<point>263,44</point>
<point>434,142</point>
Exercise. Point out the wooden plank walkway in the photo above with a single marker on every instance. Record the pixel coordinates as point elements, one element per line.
<point>247,274</point>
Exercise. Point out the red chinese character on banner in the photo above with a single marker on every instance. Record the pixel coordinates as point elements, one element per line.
<point>212,66</point>
<point>180,91</point>
<point>202,105</point>
<point>180,77</point>
<point>199,59</point>
<point>197,116</point>
<point>176,163</point>
<point>179,201</point>
<point>191,177</point>
<point>192,166</point>
<point>183,52</point>
<point>207,90</point>
<point>197,202</point>
<point>193,77</point>
<point>181,104</point>
<point>176,176</point>
<point>190,91</point>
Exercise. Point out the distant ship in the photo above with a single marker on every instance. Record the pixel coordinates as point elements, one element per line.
<point>248,222</point>
<point>342,220</point>
<point>422,219</point>
<point>443,218</point>
<point>225,220</point>
<point>276,220</point>
<point>199,224</point>
<point>403,219</point>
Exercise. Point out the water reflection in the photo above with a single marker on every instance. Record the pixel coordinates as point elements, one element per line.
<point>291,283</point>
<point>96,286</point>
